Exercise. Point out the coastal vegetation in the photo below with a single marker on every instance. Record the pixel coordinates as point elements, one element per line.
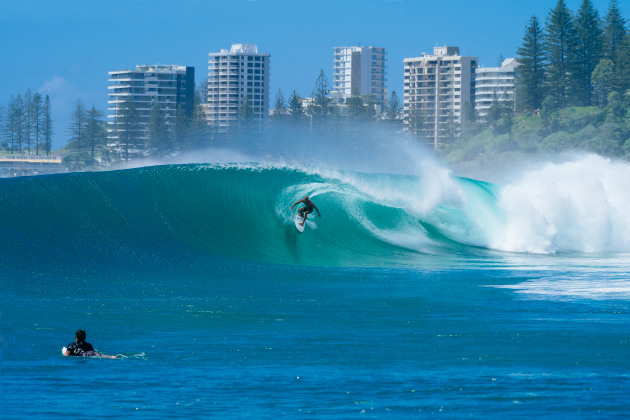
<point>572,92</point>
<point>26,124</point>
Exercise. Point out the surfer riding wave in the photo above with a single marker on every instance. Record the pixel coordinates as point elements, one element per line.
<point>307,209</point>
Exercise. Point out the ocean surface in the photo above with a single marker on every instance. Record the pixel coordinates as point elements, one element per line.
<point>415,295</point>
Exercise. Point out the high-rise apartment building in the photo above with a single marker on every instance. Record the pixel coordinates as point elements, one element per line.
<point>361,71</point>
<point>171,86</point>
<point>436,88</point>
<point>232,76</point>
<point>494,84</point>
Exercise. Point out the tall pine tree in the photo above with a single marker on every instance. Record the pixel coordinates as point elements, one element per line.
<point>296,110</point>
<point>321,107</point>
<point>394,109</point>
<point>589,50</point>
<point>560,42</point>
<point>15,124</point>
<point>622,73</point>
<point>28,119</point>
<point>94,129</point>
<point>279,107</point>
<point>37,115</point>
<point>47,125</point>
<point>530,72</point>
<point>614,47</point>
<point>614,31</point>
<point>76,130</point>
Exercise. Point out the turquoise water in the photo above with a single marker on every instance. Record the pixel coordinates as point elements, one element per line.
<point>412,296</point>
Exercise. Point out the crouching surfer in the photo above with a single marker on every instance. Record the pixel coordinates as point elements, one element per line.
<point>82,348</point>
<point>307,209</point>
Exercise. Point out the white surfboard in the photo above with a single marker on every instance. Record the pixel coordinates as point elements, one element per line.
<point>63,351</point>
<point>298,220</point>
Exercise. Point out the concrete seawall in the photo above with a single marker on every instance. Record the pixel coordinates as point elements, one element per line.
<point>27,165</point>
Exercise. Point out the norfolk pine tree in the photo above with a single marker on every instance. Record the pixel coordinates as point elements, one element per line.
<point>622,70</point>
<point>15,123</point>
<point>589,50</point>
<point>8,128</point>
<point>94,129</point>
<point>47,125</point>
<point>614,31</point>
<point>279,107</point>
<point>530,72</point>
<point>560,41</point>
<point>394,110</point>
<point>37,116</point>
<point>614,35</point>
<point>296,111</point>
<point>28,119</point>
<point>321,107</point>
<point>78,119</point>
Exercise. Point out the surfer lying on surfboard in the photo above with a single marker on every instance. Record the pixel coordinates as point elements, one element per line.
<point>82,348</point>
<point>307,209</point>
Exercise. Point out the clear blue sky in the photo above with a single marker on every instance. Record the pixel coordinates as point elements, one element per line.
<point>65,48</point>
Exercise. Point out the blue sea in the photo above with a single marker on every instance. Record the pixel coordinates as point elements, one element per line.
<point>417,294</point>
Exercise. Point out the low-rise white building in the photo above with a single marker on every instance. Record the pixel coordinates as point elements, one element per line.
<point>494,84</point>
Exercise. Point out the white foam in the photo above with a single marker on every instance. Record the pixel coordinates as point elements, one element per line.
<point>617,289</point>
<point>579,206</point>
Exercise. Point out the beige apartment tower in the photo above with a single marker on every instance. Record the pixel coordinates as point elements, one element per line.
<point>436,89</point>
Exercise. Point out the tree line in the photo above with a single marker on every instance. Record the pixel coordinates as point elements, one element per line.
<point>26,124</point>
<point>572,93</point>
<point>576,59</point>
<point>322,108</point>
<point>131,134</point>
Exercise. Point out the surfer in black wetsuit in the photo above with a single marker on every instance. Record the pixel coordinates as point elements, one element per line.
<point>82,348</point>
<point>307,209</point>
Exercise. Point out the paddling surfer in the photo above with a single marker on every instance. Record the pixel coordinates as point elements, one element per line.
<point>307,209</point>
<point>82,348</point>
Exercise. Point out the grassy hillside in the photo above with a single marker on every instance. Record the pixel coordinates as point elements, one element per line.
<point>514,140</point>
